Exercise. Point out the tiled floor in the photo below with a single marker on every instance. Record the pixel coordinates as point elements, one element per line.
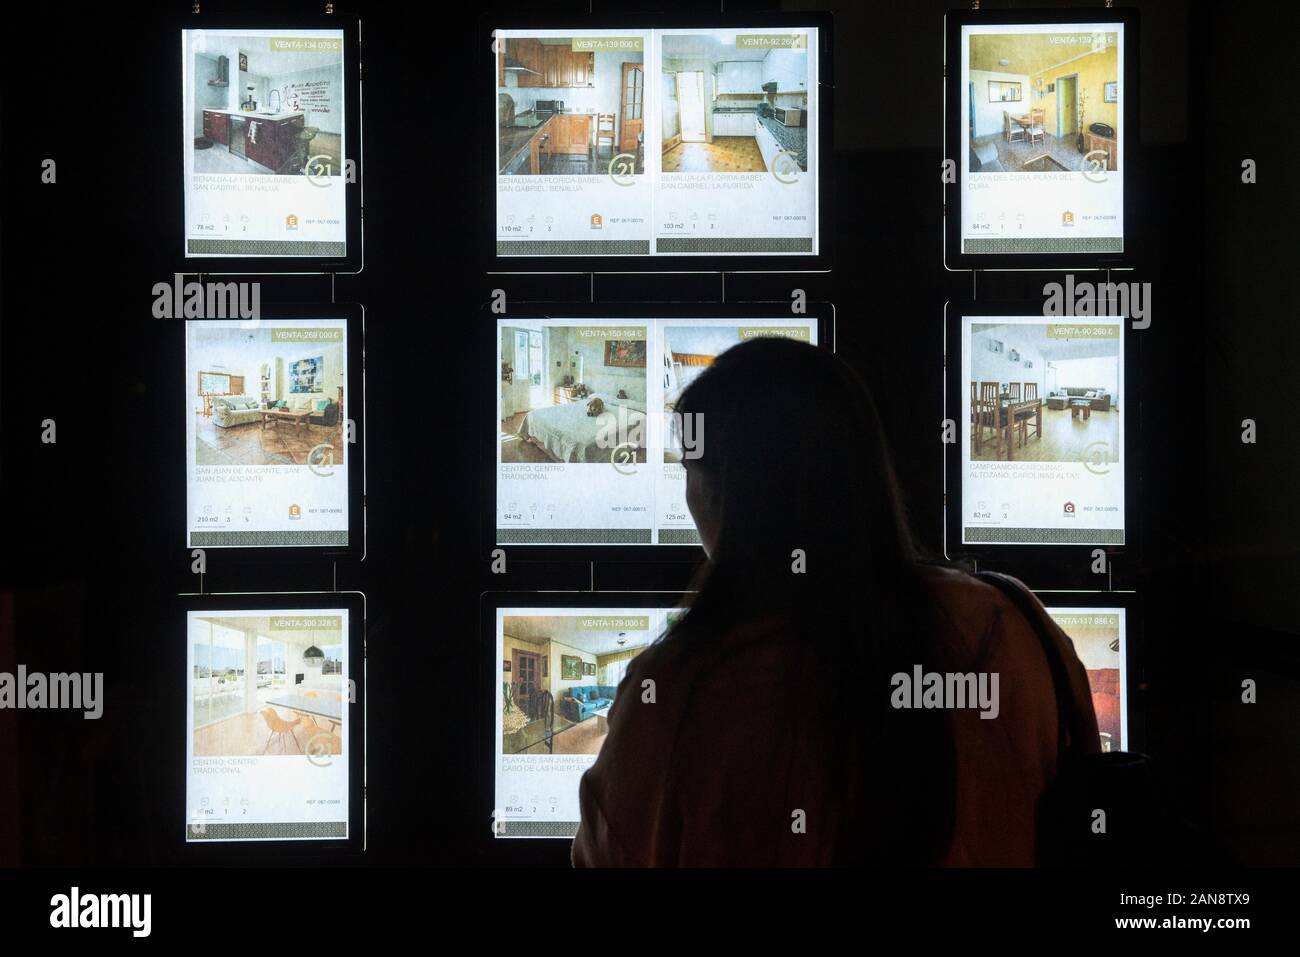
<point>1014,156</point>
<point>218,158</point>
<point>726,154</point>
<point>592,163</point>
<point>1064,439</point>
<point>279,444</point>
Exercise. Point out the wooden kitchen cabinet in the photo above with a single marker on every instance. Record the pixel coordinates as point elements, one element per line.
<point>571,133</point>
<point>555,66</point>
<point>216,127</point>
<point>1091,141</point>
<point>531,55</point>
<point>582,69</point>
<point>274,142</point>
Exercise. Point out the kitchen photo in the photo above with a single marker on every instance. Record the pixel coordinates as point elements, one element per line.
<point>568,106</point>
<point>267,105</point>
<point>733,103</point>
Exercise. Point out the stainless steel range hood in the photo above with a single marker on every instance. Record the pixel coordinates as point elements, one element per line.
<point>514,66</point>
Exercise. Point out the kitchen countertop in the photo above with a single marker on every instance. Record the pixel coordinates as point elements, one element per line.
<point>792,138</point>
<point>267,117</point>
<point>514,140</point>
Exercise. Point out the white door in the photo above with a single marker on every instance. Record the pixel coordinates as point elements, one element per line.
<point>690,98</point>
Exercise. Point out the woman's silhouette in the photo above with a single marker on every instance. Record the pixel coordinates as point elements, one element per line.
<point>760,730</point>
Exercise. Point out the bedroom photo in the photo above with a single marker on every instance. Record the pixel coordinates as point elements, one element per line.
<point>573,394</point>
<point>688,351</point>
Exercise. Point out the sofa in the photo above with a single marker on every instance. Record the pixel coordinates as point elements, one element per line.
<point>323,411</point>
<point>580,703</point>
<point>1098,399</point>
<point>231,410</point>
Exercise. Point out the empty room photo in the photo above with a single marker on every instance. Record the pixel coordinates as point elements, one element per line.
<point>572,394</point>
<point>265,397</point>
<point>265,686</point>
<point>267,105</point>
<point>559,677</point>
<point>729,108</point>
<point>566,110</point>
<point>1040,101</point>
<point>1041,392</point>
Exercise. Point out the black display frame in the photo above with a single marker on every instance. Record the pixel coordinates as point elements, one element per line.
<point>953,258</point>
<point>822,312</point>
<point>354,259</point>
<point>293,850</point>
<point>494,263</point>
<point>354,406</point>
<point>531,851</point>
<point>1135,700</point>
<point>1070,561</point>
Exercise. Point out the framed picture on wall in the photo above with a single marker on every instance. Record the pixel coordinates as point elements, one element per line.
<point>626,353</point>
<point>588,668</point>
<point>570,667</point>
<point>546,662</point>
<point>505,665</point>
<point>1110,92</point>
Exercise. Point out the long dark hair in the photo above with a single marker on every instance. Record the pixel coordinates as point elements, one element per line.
<point>810,529</point>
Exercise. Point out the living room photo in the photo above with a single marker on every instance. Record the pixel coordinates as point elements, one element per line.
<point>559,677</point>
<point>267,396</point>
<point>572,393</point>
<point>1045,392</point>
<point>266,685</point>
<point>1040,102</point>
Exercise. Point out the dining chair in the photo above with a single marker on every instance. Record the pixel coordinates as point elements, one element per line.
<point>1011,129</point>
<point>604,131</point>
<point>1013,390</point>
<point>989,410</point>
<point>1035,131</point>
<point>279,728</point>
<point>1031,391</point>
<point>974,408</point>
<point>545,711</point>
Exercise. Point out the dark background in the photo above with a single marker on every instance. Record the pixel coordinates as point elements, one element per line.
<point>91,525</point>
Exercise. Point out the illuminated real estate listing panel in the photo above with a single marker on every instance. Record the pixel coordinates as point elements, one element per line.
<point>269,724</point>
<point>590,448</point>
<point>1042,453</point>
<point>1041,139</point>
<point>265,144</point>
<point>558,673</point>
<point>1100,637</point>
<point>557,678</point>
<point>690,142</point>
<point>268,457</point>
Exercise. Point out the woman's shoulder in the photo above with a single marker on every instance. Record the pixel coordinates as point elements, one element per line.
<point>971,609</point>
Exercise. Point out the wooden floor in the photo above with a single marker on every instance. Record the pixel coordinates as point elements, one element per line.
<point>726,154</point>
<point>583,738</point>
<point>246,734</point>
<point>515,450</point>
<point>1064,439</point>
<point>279,444</point>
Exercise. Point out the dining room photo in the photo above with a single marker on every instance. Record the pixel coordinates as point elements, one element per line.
<point>1045,392</point>
<point>1040,102</point>
<point>268,685</point>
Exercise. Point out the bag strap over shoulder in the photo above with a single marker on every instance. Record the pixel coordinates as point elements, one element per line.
<point>1029,607</point>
